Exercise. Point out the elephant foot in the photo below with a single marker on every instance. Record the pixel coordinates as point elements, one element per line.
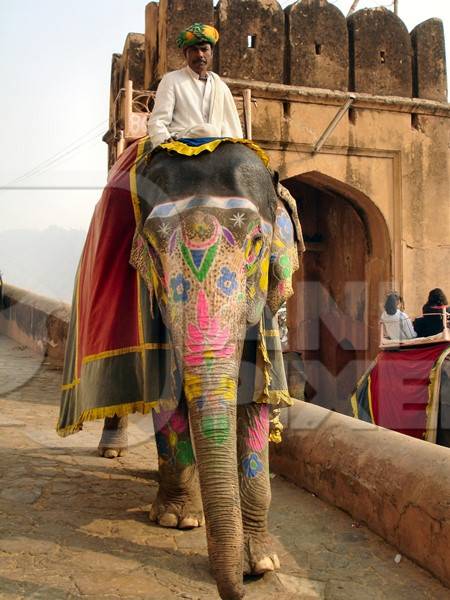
<point>114,440</point>
<point>178,507</point>
<point>111,452</point>
<point>259,557</point>
<point>176,515</point>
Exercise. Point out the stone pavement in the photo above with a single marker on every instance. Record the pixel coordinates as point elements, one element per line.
<point>74,525</point>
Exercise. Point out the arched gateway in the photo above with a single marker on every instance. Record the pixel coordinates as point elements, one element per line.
<point>333,315</point>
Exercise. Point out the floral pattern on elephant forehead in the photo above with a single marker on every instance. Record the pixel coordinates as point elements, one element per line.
<point>180,288</point>
<point>227,282</point>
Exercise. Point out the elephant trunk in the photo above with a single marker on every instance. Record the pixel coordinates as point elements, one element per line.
<point>212,412</point>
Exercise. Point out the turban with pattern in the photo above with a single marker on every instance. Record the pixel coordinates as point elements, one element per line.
<point>197,34</point>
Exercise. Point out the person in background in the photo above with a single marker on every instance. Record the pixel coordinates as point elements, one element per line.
<point>432,322</point>
<point>396,323</point>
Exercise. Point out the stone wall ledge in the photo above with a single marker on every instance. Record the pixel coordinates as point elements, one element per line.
<point>307,95</point>
<point>35,321</point>
<point>399,486</point>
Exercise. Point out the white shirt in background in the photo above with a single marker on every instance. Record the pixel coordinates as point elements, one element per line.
<point>397,326</point>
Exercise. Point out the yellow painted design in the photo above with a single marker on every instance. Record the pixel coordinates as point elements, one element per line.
<point>227,386</point>
<point>264,279</point>
<point>173,438</point>
<point>185,150</point>
<point>192,386</point>
<point>120,410</point>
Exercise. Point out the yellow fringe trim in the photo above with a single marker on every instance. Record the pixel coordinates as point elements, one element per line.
<point>276,397</point>
<point>276,427</point>
<point>267,364</point>
<point>432,409</point>
<point>121,410</point>
<point>185,150</point>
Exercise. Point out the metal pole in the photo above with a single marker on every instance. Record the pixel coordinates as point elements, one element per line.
<point>353,7</point>
<point>334,123</point>
<point>247,96</point>
<point>396,7</point>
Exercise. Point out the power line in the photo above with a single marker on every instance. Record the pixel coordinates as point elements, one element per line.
<point>59,159</point>
<point>64,152</point>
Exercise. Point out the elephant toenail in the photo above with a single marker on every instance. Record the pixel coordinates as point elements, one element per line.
<point>263,566</point>
<point>168,520</point>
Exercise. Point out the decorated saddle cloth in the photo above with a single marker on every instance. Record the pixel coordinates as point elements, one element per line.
<point>119,358</point>
<point>401,390</point>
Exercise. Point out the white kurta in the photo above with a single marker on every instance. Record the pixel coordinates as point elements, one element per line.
<point>188,107</point>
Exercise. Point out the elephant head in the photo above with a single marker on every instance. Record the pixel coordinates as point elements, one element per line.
<point>213,260</point>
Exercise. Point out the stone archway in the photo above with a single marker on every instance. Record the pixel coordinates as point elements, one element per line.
<point>334,313</point>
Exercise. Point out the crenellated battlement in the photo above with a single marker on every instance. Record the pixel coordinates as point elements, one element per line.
<point>310,43</point>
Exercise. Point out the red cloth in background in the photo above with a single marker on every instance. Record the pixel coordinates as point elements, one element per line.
<point>399,388</point>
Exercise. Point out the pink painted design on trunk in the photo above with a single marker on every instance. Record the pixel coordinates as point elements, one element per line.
<point>207,339</point>
<point>258,434</point>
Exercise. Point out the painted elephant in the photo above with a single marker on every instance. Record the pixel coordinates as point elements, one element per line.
<point>215,247</point>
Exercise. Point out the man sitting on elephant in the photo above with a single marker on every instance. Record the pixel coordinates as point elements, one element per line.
<point>193,102</point>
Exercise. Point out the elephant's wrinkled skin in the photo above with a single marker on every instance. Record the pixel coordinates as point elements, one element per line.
<point>213,250</point>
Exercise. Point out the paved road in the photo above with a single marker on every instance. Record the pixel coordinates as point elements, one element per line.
<point>74,525</point>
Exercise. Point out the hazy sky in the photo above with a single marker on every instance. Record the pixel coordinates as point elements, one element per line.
<point>55,71</point>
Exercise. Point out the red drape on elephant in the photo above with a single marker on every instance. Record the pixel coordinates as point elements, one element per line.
<point>108,305</point>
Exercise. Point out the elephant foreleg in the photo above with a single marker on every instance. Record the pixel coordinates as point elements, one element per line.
<point>253,466</point>
<point>178,502</point>
<point>114,440</point>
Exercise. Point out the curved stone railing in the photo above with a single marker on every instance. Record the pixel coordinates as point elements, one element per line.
<point>399,486</point>
<point>35,321</point>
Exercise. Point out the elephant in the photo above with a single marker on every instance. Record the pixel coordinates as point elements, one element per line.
<point>213,250</point>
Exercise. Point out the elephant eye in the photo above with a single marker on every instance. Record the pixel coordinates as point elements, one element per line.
<point>257,244</point>
<point>253,250</point>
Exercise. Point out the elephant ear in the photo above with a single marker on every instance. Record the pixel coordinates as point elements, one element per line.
<point>283,254</point>
<point>141,259</point>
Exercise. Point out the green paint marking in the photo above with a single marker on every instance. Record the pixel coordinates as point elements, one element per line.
<point>185,453</point>
<point>216,428</point>
<point>208,259</point>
